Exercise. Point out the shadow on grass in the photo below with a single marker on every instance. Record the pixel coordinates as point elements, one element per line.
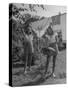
<point>37,82</point>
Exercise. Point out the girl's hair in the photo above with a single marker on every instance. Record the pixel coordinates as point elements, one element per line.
<point>27,30</point>
<point>50,31</point>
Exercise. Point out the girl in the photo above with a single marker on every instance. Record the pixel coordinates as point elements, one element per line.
<point>28,49</point>
<point>52,48</point>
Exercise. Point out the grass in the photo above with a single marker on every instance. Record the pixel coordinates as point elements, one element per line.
<point>35,76</point>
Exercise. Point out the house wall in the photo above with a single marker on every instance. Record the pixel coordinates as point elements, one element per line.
<point>44,23</point>
<point>62,26</point>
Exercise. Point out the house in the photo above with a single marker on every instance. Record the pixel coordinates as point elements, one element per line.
<point>41,25</point>
<point>61,26</point>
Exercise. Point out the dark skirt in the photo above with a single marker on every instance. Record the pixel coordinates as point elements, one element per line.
<point>27,52</point>
<point>53,45</point>
<point>47,51</point>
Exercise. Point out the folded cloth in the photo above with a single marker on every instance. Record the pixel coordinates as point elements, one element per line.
<point>51,48</point>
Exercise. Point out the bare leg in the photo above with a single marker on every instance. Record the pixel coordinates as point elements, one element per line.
<point>47,63</point>
<point>26,60</point>
<point>54,63</point>
<point>30,61</point>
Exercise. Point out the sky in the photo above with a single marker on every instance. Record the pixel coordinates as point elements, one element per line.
<point>50,10</point>
<point>53,10</point>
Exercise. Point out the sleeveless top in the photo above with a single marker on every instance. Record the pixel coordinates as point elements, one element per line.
<point>28,44</point>
<point>52,41</point>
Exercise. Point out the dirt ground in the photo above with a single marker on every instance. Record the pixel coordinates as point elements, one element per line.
<point>34,77</point>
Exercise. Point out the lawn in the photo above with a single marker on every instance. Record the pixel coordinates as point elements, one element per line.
<point>34,77</point>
